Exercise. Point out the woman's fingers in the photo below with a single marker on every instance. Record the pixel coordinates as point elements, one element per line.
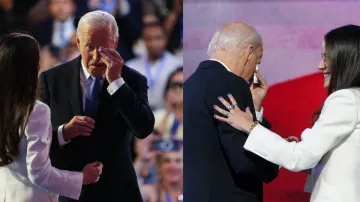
<point>221,118</point>
<point>221,111</point>
<point>232,99</point>
<point>248,112</point>
<point>225,103</point>
<point>234,103</point>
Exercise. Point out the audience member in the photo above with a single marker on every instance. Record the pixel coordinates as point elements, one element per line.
<point>170,184</point>
<point>168,120</point>
<point>157,64</point>
<point>58,28</point>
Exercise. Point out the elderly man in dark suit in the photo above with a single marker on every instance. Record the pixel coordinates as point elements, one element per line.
<point>96,103</point>
<point>216,166</point>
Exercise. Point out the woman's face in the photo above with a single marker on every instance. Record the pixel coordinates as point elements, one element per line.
<point>171,167</point>
<point>324,66</point>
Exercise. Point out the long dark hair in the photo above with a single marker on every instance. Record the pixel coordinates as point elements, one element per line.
<point>19,66</point>
<point>342,54</point>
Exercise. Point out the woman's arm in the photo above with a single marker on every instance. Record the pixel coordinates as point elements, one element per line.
<point>38,133</point>
<point>337,120</point>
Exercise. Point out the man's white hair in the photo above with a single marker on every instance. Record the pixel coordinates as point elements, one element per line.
<point>234,40</point>
<point>99,19</point>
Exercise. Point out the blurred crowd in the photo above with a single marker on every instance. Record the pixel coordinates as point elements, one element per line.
<point>150,42</point>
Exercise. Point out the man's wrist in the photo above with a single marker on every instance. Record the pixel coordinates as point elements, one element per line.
<point>257,107</point>
<point>65,134</point>
<point>110,80</point>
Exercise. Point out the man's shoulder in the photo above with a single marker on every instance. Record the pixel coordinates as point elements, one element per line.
<point>62,68</point>
<point>215,73</point>
<point>213,80</point>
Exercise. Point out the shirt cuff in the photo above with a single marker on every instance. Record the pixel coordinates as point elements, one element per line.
<point>259,115</point>
<point>62,142</point>
<point>115,85</point>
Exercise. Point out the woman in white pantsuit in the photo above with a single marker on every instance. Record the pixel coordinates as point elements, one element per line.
<point>26,174</point>
<point>331,148</point>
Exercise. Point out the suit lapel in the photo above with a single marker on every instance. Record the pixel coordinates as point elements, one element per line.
<point>74,88</point>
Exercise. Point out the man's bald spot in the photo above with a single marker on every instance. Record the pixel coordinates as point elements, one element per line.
<point>233,38</point>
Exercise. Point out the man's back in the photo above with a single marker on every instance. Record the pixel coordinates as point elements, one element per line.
<point>212,172</point>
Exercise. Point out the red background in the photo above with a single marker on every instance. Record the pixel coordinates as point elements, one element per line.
<point>289,107</point>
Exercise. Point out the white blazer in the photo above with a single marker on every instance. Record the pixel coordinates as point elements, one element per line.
<point>331,148</point>
<point>31,178</point>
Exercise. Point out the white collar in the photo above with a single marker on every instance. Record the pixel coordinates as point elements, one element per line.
<point>221,63</point>
<point>85,72</point>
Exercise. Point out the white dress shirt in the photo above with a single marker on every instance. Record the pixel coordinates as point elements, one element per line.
<point>331,148</point>
<point>68,29</point>
<point>260,114</point>
<point>31,177</point>
<point>85,82</point>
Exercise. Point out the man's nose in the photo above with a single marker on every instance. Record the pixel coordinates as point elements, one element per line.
<point>96,55</point>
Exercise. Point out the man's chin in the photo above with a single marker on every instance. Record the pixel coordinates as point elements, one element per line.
<point>97,70</point>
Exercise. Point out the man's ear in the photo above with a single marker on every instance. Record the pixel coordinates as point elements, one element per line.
<point>77,41</point>
<point>116,42</point>
<point>248,52</point>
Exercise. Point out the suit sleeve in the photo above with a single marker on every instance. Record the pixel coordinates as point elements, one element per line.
<point>266,123</point>
<point>338,119</point>
<point>262,120</point>
<point>40,170</point>
<point>232,141</point>
<point>133,105</point>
